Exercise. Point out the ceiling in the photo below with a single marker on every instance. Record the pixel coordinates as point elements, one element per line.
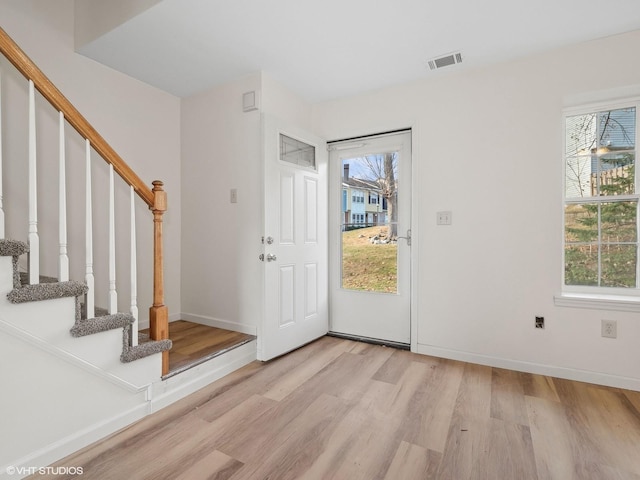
<point>335,48</point>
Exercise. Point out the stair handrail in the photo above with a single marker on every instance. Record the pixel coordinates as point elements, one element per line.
<point>155,198</point>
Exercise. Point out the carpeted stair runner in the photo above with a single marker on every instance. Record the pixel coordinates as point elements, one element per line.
<point>49,288</point>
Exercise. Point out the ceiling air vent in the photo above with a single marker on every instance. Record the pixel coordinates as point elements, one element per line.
<point>445,61</point>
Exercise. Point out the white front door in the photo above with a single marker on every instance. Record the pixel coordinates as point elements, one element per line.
<point>370,215</point>
<point>295,239</point>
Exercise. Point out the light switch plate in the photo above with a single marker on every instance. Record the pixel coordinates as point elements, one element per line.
<point>444,218</point>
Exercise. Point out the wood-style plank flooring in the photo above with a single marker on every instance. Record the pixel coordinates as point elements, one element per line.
<point>338,409</point>
<point>194,343</point>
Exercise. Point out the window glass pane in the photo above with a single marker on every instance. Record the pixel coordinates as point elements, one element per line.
<point>580,134</point>
<point>579,180</point>
<point>618,222</point>
<point>601,235</point>
<point>617,173</point>
<point>619,266</point>
<point>617,129</point>
<point>581,222</point>
<point>297,152</point>
<point>581,265</point>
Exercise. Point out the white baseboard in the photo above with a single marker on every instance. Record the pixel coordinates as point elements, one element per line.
<point>216,322</point>
<point>72,443</point>
<point>142,324</point>
<point>536,368</point>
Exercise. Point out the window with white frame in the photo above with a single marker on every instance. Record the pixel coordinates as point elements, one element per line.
<point>601,199</point>
<point>358,196</point>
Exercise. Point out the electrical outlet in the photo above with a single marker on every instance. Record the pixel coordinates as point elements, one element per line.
<point>233,195</point>
<point>539,322</point>
<point>609,328</point>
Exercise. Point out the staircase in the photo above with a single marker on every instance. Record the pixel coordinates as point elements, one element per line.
<point>73,372</point>
<point>59,309</point>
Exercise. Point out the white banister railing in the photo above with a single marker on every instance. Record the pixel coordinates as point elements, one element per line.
<point>134,273</point>
<point>88,237</point>
<point>1,206</point>
<point>113,294</point>
<point>63,258</point>
<point>34,240</point>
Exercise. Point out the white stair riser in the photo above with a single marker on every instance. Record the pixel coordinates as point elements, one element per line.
<point>6,276</point>
<point>49,320</point>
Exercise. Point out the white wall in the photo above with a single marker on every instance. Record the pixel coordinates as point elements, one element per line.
<point>221,273</point>
<point>140,122</point>
<point>488,147</point>
<point>222,278</point>
<point>58,410</point>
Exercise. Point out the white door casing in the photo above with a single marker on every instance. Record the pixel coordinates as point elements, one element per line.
<point>295,243</point>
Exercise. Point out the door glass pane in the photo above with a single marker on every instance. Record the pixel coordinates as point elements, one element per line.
<point>369,223</point>
<point>297,152</point>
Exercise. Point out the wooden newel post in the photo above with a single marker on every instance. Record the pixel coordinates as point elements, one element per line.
<point>159,313</point>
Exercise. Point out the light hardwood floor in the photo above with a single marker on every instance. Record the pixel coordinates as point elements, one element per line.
<point>194,343</point>
<point>338,409</point>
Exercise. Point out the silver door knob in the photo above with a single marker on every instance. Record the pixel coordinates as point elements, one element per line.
<point>271,257</point>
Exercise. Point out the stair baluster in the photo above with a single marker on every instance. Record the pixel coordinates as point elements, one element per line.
<point>88,237</point>
<point>113,294</point>
<point>134,273</point>
<point>63,259</point>
<point>34,239</point>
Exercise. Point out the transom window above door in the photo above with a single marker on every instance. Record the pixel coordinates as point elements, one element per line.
<point>297,152</point>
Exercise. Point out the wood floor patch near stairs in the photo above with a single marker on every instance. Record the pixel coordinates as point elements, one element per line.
<point>194,343</point>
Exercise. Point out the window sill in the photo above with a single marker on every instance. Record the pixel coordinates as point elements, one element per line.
<point>598,302</point>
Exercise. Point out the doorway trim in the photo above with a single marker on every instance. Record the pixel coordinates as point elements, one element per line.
<point>413,127</point>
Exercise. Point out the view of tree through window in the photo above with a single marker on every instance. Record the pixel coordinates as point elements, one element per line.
<point>601,199</point>
<point>369,223</point>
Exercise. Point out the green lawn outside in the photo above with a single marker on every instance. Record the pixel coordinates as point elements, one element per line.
<point>366,266</point>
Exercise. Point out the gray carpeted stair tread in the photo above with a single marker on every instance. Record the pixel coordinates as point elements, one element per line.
<point>97,311</point>
<point>24,279</point>
<point>144,350</point>
<point>12,248</point>
<point>46,291</point>
<point>101,324</point>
